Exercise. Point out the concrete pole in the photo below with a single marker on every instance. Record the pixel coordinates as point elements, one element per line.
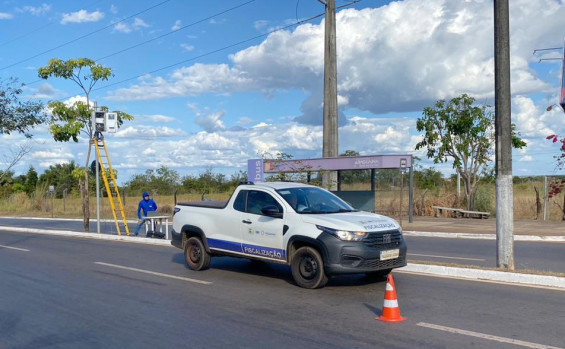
<point>330,140</point>
<point>96,173</point>
<point>545,198</point>
<point>503,136</point>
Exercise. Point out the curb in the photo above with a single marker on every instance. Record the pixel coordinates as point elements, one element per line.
<point>463,273</point>
<point>69,233</point>
<point>490,275</point>
<point>531,238</point>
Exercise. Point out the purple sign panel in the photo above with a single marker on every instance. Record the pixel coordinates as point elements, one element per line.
<point>562,99</point>
<point>334,164</point>
<point>255,170</point>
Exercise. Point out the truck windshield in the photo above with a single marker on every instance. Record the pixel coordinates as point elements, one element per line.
<point>312,200</point>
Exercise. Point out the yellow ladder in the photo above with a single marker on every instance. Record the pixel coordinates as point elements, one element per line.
<point>111,188</point>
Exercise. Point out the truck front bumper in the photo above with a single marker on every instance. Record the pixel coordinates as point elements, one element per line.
<point>352,257</point>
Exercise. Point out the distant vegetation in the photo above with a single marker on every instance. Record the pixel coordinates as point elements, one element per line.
<point>28,194</point>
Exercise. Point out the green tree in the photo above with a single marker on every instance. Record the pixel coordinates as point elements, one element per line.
<point>428,178</point>
<point>460,130</point>
<point>61,176</point>
<point>15,115</point>
<point>67,122</point>
<point>354,176</point>
<point>161,181</point>
<point>31,179</point>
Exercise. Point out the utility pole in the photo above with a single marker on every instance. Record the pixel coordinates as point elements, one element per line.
<point>503,136</point>
<point>330,140</point>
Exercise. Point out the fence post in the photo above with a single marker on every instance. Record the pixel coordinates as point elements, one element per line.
<point>64,199</point>
<point>545,198</point>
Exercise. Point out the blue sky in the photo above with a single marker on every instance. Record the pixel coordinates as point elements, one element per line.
<point>213,83</point>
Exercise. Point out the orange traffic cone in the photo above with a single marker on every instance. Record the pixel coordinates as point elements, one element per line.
<point>391,312</point>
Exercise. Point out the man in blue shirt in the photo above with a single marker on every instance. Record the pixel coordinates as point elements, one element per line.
<point>146,205</point>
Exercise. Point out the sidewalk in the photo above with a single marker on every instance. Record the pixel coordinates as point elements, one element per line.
<point>481,226</point>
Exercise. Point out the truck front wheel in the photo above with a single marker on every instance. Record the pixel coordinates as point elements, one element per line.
<point>308,268</point>
<point>195,254</point>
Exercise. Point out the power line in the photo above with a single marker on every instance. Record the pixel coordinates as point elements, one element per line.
<point>39,28</point>
<point>85,35</point>
<point>161,36</point>
<point>212,52</point>
<point>175,30</point>
<point>225,47</point>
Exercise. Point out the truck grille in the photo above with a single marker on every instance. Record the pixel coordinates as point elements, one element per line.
<point>383,240</point>
<point>378,264</point>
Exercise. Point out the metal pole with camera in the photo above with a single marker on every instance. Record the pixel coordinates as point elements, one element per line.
<point>98,122</point>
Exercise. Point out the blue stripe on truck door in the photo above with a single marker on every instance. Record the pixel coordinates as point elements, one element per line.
<point>269,252</point>
<point>225,245</point>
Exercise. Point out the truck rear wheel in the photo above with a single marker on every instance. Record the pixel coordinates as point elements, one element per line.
<point>195,254</point>
<point>308,268</point>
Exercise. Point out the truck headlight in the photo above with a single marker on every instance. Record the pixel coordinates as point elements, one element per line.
<point>344,234</point>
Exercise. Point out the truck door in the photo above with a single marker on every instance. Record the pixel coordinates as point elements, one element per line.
<point>262,235</point>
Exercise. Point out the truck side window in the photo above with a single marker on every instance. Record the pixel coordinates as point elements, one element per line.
<point>239,202</point>
<point>256,200</point>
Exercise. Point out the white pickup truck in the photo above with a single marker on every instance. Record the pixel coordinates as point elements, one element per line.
<point>306,227</point>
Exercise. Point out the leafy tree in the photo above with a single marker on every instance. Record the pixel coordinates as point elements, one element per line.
<point>61,176</point>
<point>67,122</point>
<point>31,179</point>
<point>428,178</point>
<point>354,176</point>
<point>459,130</point>
<point>15,115</point>
<point>561,143</point>
<point>162,181</point>
<point>299,172</point>
<point>14,157</point>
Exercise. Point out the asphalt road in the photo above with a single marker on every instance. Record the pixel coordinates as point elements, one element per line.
<point>540,256</point>
<point>59,292</point>
<point>537,256</point>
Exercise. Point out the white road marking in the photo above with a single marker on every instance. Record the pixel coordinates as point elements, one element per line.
<point>487,336</point>
<point>462,258</point>
<point>14,248</point>
<point>154,273</point>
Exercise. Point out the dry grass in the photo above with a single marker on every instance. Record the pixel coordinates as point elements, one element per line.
<point>386,202</point>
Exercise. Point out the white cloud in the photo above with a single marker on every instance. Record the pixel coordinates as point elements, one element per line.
<point>37,10</point>
<point>161,118</point>
<point>139,23</point>
<point>260,24</point>
<point>187,47</point>
<point>122,28</point>
<point>211,122</point>
<point>144,132</point>
<point>4,15</point>
<point>177,25</point>
<point>126,28</point>
<point>82,16</point>
<point>527,158</point>
<point>50,155</point>
<point>399,57</point>
<point>45,91</point>
<point>113,9</point>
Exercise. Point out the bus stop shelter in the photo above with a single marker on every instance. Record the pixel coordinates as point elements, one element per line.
<point>362,200</point>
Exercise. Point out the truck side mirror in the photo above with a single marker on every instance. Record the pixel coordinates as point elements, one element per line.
<point>272,211</point>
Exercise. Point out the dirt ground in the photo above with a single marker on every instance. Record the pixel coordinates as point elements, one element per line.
<point>481,226</point>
